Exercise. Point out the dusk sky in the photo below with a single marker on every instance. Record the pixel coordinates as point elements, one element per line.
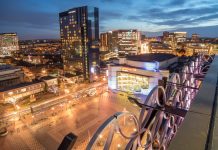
<point>38,19</point>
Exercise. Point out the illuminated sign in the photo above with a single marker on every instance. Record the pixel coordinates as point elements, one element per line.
<point>92,70</point>
<point>71,12</point>
<point>151,66</point>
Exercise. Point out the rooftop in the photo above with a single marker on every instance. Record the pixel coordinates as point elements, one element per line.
<point>47,78</point>
<point>8,34</point>
<point>19,85</point>
<point>151,57</point>
<point>7,67</point>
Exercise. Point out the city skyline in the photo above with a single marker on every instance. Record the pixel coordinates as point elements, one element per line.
<point>38,20</point>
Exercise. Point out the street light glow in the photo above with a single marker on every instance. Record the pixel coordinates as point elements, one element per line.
<point>100,136</point>
<point>18,107</point>
<point>43,71</point>
<point>67,91</point>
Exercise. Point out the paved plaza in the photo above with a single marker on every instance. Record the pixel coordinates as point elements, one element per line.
<point>46,130</point>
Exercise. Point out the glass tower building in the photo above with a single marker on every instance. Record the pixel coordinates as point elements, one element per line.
<point>79,31</point>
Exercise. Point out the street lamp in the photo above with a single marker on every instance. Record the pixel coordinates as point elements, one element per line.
<point>100,136</point>
<point>44,71</point>
<point>118,146</point>
<point>96,77</point>
<point>18,107</point>
<point>67,91</point>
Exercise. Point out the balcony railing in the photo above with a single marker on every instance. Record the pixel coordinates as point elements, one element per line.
<point>161,114</point>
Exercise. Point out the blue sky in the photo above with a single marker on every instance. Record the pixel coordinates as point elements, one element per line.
<point>34,19</point>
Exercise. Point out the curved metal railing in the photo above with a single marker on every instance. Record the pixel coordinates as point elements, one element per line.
<point>160,116</point>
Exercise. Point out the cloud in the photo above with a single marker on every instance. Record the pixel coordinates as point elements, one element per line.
<point>194,21</point>
<point>123,2</point>
<point>107,15</point>
<point>40,18</point>
<point>176,17</point>
<point>176,2</point>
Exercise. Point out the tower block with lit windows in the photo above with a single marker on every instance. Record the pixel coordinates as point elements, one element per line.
<point>79,31</point>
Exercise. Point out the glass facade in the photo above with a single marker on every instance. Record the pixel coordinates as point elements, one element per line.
<point>79,30</point>
<point>132,82</point>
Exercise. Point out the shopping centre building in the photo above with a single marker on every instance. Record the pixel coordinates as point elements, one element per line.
<point>140,73</point>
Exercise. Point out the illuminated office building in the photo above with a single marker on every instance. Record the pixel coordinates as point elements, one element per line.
<point>139,73</point>
<point>159,47</point>
<point>195,37</point>
<point>79,31</point>
<point>174,39</point>
<point>180,36</point>
<point>122,41</point>
<point>126,41</point>
<point>8,44</point>
<point>106,41</point>
<point>197,47</point>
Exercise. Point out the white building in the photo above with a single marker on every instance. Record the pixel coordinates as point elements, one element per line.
<point>139,74</point>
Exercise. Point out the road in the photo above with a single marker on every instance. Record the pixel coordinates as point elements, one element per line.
<point>46,130</point>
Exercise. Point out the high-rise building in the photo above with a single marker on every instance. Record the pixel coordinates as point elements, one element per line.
<point>8,44</point>
<point>180,36</point>
<point>175,39</point>
<point>121,41</point>
<point>126,41</point>
<point>106,41</point>
<point>79,30</point>
<point>195,37</point>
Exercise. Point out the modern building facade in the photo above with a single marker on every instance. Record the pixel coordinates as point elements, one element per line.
<point>140,73</point>
<point>126,41</point>
<point>195,37</point>
<point>159,47</point>
<point>198,47</point>
<point>180,36</point>
<point>122,41</point>
<point>79,31</point>
<point>8,44</point>
<point>174,39</point>
<point>106,41</point>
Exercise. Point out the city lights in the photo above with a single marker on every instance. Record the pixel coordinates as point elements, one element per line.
<point>104,78</point>
<point>100,136</point>
<point>43,71</point>
<point>67,82</point>
<point>67,91</point>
